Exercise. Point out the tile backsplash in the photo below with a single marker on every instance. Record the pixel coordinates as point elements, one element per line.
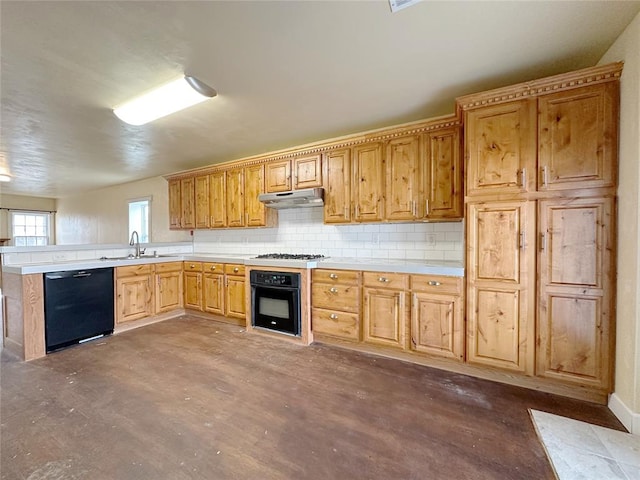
<point>302,231</point>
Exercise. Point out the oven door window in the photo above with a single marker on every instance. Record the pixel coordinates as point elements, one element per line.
<point>276,309</point>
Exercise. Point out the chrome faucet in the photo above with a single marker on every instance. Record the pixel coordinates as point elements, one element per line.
<point>136,243</point>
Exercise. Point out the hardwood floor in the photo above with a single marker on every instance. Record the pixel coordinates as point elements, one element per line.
<point>195,399</point>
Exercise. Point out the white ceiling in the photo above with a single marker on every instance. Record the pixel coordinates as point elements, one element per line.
<point>286,73</point>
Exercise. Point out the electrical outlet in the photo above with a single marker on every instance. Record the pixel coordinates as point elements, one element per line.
<point>431,239</point>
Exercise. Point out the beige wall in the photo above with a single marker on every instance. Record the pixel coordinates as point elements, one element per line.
<point>101,216</point>
<point>24,203</point>
<point>627,387</point>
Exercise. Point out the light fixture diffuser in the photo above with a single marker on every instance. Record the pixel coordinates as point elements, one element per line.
<point>176,95</point>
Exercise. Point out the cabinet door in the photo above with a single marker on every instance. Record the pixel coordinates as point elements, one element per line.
<point>168,291</point>
<point>214,293</point>
<point>437,325</point>
<point>500,143</point>
<point>134,298</point>
<point>307,172</point>
<point>368,186</point>
<point>578,138</point>
<point>256,215</point>
<point>500,284</point>
<point>202,201</point>
<point>193,290</point>
<point>217,200</point>
<point>443,180</point>
<point>188,196</point>
<point>575,304</point>
<point>402,190</point>
<point>175,208</point>
<point>278,176</point>
<point>235,197</point>
<point>337,187</point>
<point>235,298</point>
<point>384,317</point>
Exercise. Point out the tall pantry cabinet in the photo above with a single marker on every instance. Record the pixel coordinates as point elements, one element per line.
<point>541,165</point>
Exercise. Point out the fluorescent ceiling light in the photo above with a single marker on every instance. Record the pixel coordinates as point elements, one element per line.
<point>5,177</point>
<point>162,101</point>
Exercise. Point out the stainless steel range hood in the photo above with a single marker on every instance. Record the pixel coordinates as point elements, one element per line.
<point>309,197</point>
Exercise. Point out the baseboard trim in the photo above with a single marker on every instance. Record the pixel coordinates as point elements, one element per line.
<point>629,418</point>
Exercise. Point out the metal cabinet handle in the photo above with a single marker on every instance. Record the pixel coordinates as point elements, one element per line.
<point>192,266</point>
<point>383,279</point>
<point>434,283</point>
<point>521,242</point>
<point>333,316</point>
<point>545,178</point>
<point>333,290</point>
<point>426,207</point>
<point>543,241</point>
<point>413,208</point>
<point>213,267</point>
<point>523,177</point>
<point>236,270</point>
<point>357,211</point>
<point>333,275</point>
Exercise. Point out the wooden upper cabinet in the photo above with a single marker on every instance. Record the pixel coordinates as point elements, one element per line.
<point>256,215</point>
<point>188,196</point>
<point>402,189</point>
<point>175,208</point>
<point>577,132</point>
<point>575,290</point>
<point>278,176</point>
<point>501,285</point>
<point>368,182</point>
<point>202,201</point>
<point>443,179</point>
<point>235,197</point>
<point>500,143</point>
<point>307,171</point>
<point>217,200</point>
<point>337,186</point>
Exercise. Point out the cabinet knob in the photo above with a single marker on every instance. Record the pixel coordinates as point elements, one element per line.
<point>213,267</point>
<point>236,270</point>
<point>192,266</point>
<point>333,316</point>
<point>383,279</point>
<point>434,283</point>
<point>333,290</point>
<point>333,275</point>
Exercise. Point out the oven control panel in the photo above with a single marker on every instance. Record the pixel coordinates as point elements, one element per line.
<point>275,279</point>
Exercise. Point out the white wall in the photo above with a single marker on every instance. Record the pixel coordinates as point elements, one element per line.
<point>625,402</point>
<point>102,216</point>
<point>302,231</point>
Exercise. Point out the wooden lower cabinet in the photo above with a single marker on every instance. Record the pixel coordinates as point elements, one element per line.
<point>235,298</point>
<point>213,288</point>
<point>335,302</point>
<point>168,286</point>
<point>193,285</point>
<point>134,293</point>
<point>501,285</point>
<point>437,316</point>
<point>384,317</point>
<point>575,293</point>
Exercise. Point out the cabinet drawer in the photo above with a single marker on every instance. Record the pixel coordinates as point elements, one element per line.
<point>208,267</point>
<point>133,270</point>
<point>348,277</point>
<point>234,269</point>
<point>436,284</point>
<point>386,280</point>
<point>345,298</point>
<point>168,267</point>
<point>335,323</point>
<point>192,266</point>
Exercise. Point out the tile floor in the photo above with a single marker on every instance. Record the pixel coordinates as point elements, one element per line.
<point>579,450</point>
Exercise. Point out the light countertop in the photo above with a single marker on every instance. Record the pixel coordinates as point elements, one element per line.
<point>415,266</point>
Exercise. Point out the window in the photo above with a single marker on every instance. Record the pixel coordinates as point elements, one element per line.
<point>30,229</point>
<point>139,218</point>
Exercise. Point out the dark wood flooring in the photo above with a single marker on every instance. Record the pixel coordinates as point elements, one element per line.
<point>196,399</point>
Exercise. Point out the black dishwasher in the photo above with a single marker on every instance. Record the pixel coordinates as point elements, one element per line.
<point>78,306</point>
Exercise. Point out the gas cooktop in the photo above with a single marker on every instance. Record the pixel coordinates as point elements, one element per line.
<point>291,256</point>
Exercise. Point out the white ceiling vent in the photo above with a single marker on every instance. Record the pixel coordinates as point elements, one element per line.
<point>400,4</point>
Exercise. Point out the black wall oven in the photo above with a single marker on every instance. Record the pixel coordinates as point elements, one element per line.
<point>275,301</point>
